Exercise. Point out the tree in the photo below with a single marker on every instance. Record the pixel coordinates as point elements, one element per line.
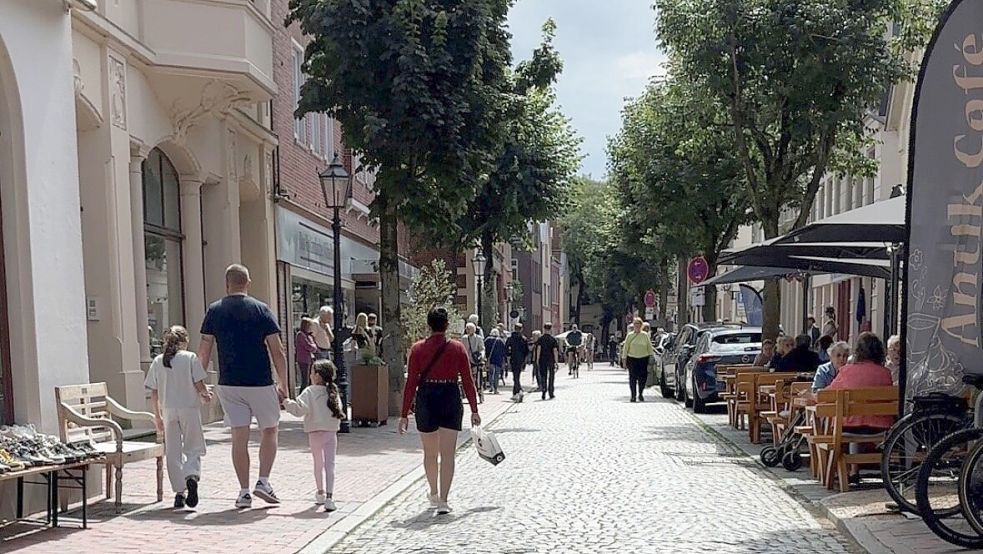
<point>433,287</point>
<point>535,162</point>
<point>418,87</point>
<point>679,174</point>
<point>795,78</point>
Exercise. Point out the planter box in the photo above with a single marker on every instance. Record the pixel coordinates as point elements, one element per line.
<point>369,394</point>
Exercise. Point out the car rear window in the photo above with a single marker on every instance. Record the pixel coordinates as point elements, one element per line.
<point>735,341</point>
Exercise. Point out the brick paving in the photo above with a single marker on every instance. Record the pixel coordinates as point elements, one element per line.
<point>590,472</point>
<point>369,461</point>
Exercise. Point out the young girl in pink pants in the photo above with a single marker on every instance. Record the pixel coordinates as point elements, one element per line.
<point>320,406</point>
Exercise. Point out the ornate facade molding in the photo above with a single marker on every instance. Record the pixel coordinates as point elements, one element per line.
<point>217,99</point>
<point>117,83</point>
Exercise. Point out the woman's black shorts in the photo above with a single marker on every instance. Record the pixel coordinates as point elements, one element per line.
<point>438,405</point>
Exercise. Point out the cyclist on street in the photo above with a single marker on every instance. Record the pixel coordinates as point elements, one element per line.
<point>575,339</point>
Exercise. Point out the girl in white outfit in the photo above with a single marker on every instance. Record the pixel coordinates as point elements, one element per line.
<point>177,383</point>
<point>320,406</point>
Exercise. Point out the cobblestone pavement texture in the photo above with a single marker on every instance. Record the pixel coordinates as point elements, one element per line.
<point>369,460</point>
<point>590,472</point>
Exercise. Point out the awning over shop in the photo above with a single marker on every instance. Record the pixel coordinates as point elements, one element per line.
<point>745,274</point>
<point>880,222</point>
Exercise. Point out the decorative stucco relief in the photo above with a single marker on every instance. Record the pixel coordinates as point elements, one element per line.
<point>117,82</point>
<point>217,99</point>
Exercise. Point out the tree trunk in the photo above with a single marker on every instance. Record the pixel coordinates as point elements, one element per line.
<point>771,297</point>
<point>710,307</point>
<point>489,300</point>
<point>392,344</point>
<point>682,294</point>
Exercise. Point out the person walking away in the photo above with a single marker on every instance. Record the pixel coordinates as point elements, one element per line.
<point>533,357</point>
<point>248,338</point>
<point>517,349</point>
<point>375,331</point>
<point>436,366</point>
<point>801,358</point>
<point>473,319</point>
<point>320,406</point>
<point>323,333</point>
<point>495,349</point>
<point>589,344</point>
<point>613,350</point>
<point>574,341</point>
<point>830,327</point>
<point>547,355</point>
<point>812,330</point>
<point>305,350</point>
<point>635,354</point>
<point>176,380</point>
<point>767,353</point>
<point>475,346</point>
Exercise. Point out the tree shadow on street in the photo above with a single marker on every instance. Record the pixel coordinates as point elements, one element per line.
<point>429,518</point>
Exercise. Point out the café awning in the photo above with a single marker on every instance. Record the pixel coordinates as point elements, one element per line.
<point>745,274</point>
<point>880,222</point>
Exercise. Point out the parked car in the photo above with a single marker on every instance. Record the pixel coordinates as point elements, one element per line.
<point>725,346</point>
<point>661,351</point>
<point>673,361</point>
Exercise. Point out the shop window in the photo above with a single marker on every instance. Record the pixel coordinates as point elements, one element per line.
<point>163,242</point>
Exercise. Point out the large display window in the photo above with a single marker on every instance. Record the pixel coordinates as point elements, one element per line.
<point>163,242</point>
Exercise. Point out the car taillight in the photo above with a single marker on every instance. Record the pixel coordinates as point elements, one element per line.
<point>706,358</point>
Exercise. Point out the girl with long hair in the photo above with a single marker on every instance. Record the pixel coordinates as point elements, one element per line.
<point>320,406</point>
<point>177,382</point>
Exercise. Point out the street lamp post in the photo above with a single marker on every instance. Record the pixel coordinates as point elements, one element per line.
<point>336,184</point>
<point>508,305</point>
<point>478,264</point>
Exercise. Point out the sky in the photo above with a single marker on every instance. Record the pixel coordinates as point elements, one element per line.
<point>609,53</point>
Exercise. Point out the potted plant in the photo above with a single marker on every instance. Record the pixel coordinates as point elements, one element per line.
<point>369,386</point>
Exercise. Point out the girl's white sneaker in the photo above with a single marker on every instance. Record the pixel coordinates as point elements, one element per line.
<point>443,509</point>
<point>434,500</point>
<point>329,505</point>
<point>319,498</point>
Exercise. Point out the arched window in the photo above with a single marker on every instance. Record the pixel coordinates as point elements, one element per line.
<point>162,240</point>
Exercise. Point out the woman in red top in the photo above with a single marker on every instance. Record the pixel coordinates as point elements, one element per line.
<point>867,370</point>
<point>435,366</point>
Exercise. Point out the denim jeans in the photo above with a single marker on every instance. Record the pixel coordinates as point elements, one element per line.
<point>494,374</point>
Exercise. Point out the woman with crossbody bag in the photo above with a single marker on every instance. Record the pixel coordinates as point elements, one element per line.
<point>435,366</point>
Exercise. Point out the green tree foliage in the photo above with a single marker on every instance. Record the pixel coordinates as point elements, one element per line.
<point>535,162</point>
<point>682,186</point>
<point>418,87</point>
<point>433,287</point>
<point>795,78</point>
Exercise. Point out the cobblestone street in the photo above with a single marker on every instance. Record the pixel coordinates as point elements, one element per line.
<point>590,472</point>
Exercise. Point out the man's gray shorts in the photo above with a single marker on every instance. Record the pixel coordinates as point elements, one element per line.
<point>242,404</point>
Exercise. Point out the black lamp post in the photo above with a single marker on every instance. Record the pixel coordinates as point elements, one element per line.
<point>478,264</point>
<point>336,184</point>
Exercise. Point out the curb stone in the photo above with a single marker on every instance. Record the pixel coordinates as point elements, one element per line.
<point>336,533</point>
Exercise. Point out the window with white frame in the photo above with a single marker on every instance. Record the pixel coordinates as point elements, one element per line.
<point>300,124</point>
<point>316,132</point>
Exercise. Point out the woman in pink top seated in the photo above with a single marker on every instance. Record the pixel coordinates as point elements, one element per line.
<point>867,370</point>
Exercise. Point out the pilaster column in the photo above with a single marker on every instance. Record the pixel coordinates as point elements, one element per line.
<point>137,155</point>
<point>194,265</point>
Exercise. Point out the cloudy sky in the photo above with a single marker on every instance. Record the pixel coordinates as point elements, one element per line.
<point>609,53</point>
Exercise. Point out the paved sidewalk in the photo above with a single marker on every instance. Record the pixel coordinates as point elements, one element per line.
<point>370,461</point>
<point>859,513</point>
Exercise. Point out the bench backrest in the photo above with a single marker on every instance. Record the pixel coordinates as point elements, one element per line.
<point>776,379</point>
<point>88,400</point>
<point>744,382</point>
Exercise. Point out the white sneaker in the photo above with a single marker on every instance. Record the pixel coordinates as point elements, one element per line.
<point>265,492</point>
<point>244,501</point>
<point>434,500</point>
<point>329,505</point>
<point>319,498</point>
<point>443,509</point>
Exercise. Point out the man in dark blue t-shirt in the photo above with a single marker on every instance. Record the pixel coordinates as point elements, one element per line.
<point>248,337</point>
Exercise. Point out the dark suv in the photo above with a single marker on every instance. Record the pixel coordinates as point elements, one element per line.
<point>725,346</point>
<point>669,369</point>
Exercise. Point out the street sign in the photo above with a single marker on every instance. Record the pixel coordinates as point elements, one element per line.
<point>514,314</point>
<point>698,270</point>
<point>697,297</point>
<point>649,314</point>
<point>650,298</point>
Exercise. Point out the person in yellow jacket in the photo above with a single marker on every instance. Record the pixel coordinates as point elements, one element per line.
<point>635,354</point>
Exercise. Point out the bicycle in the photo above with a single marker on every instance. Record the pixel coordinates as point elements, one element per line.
<point>945,488</point>
<point>477,375</point>
<point>573,362</point>
<point>931,419</point>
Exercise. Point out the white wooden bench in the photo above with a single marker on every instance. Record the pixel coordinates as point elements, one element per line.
<point>86,412</point>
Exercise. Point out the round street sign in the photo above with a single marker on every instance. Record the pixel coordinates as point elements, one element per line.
<point>649,298</point>
<point>514,314</point>
<point>698,270</point>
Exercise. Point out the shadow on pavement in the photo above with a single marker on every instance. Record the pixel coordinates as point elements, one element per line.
<point>428,518</point>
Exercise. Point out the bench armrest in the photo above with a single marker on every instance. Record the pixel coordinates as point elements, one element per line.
<point>119,410</point>
<point>70,414</point>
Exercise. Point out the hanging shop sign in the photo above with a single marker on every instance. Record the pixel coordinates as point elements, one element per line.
<point>945,208</point>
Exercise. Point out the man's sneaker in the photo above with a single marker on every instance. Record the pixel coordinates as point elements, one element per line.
<point>192,485</point>
<point>319,498</point>
<point>265,491</point>
<point>443,509</point>
<point>641,398</point>
<point>434,500</point>
<point>178,500</point>
<point>329,505</point>
<point>244,501</point>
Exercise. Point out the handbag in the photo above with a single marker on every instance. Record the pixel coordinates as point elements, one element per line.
<point>426,372</point>
<point>487,446</point>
